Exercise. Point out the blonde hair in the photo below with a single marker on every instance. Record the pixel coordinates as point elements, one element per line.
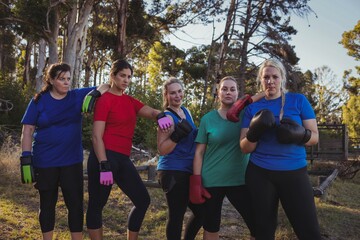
<point>168,82</point>
<point>228,78</point>
<point>275,64</point>
<point>280,67</point>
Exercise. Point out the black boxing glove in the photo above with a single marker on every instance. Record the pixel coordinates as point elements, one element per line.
<point>262,121</point>
<point>289,132</point>
<point>182,129</point>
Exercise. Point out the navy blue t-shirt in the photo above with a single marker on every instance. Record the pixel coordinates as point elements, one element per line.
<point>57,135</point>
<point>181,158</point>
<point>269,153</point>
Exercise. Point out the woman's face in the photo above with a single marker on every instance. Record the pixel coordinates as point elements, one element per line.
<point>62,83</point>
<point>271,82</point>
<point>121,80</point>
<point>228,92</point>
<point>175,94</point>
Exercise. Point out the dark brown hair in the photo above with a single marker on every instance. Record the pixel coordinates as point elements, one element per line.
<point>52,72</point>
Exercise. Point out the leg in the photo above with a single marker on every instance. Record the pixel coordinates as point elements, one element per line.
<point>176,191</point>
<point>264,201</point>
<point>98,195</point>
<point>47,185</point>
<point>240,198</point>
<point>72,186</point>
<point>195,222</point>
<point>297,199</point>
<point>132,235</point>
<point>48,235</point>
<point>48,201</point>
<point>129,181</point>
<point>212,213</point>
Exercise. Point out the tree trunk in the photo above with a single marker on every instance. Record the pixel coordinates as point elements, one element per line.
<point>121,28</point>
<point>77,25</point>
<point>26,73</point>
<point>52,37</point>
<point>41,65</point>
<point>226,40</point>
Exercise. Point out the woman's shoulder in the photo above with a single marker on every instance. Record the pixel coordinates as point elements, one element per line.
<point>210,114</point>
<point>294,95</point>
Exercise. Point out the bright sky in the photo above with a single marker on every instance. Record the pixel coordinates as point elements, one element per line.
<point>316,45</point>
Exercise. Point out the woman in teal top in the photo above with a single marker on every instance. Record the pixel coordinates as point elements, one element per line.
<point>220,162</point>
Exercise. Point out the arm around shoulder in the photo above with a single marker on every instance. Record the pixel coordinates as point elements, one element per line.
<point>102,88</point>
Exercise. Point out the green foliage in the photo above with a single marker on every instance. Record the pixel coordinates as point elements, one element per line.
<point>351,112</point>
<point>12,90</point>
<point>351,116</point>
<point>87,131</point>
<point>350,41</point>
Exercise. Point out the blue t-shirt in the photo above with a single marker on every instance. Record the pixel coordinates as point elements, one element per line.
<point>269,153</point>
<point>182,156</point>
<point>57,135</point>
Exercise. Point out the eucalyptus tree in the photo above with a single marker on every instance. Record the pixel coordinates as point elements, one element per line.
<point>351,112</point>
<point>7,41</point>
<point>327,95</point>
<point>262,29</point>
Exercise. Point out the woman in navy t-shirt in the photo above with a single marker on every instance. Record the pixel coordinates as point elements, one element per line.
<point>51,145</point>
<point>274,130</point>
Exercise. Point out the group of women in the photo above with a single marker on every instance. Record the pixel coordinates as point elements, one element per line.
<point>254,156</point>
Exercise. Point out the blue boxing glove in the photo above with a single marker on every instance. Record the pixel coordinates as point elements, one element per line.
<point>26,168</point>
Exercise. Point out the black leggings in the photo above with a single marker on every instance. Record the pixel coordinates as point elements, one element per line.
<point>295,193</point>
<point>70,180</point>
<point>175,184</point>
<point>238,196</point>
<point>127,178</point>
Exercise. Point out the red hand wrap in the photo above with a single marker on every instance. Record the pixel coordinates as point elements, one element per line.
<point>198,193</point>
<point>233,113</point>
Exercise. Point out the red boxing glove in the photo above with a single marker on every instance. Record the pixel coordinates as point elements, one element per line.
<point>198,193</point>
<point>233,113</point>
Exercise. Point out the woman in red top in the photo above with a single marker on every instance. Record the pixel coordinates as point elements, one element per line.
<point>114,124</point>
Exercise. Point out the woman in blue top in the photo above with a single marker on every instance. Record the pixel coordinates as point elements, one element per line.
<point>51,145</point>
<point>275,130</point>
<point>177,148</point>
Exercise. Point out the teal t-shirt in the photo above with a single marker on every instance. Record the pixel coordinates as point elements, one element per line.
<point>223,164</point>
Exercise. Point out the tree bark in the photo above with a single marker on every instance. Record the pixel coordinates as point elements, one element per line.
<point>41,65</point>
<point>76,37</point>
<point>121,28</point>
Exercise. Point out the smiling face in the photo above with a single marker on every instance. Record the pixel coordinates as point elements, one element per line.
<point>61,83</point>
<point>121,80</point>
<point>175,95</point>
<point>271,82</point>
<point>228,92</point>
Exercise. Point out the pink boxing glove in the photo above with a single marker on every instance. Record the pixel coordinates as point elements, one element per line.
<point>164,122</point>
<point>106,176</point>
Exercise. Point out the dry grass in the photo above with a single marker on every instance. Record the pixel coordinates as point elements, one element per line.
<point>338,210</point>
